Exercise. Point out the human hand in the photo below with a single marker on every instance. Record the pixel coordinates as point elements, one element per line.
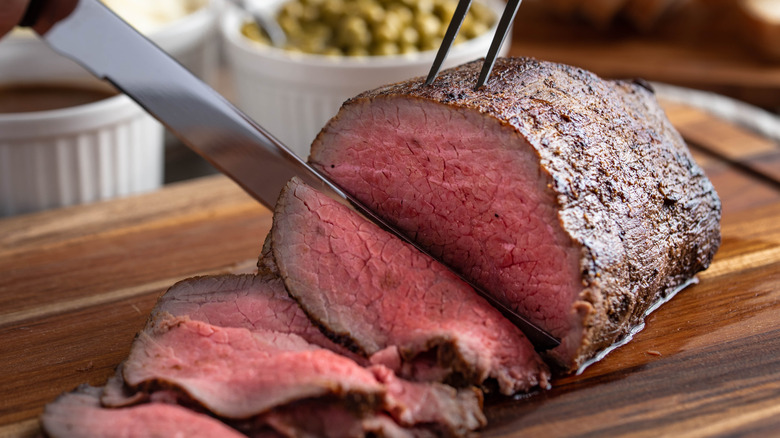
<point>46,13</point>
<point>11,13</point>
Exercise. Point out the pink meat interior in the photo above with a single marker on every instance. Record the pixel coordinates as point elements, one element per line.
<point>236,373</point>
<point>79,414</point>
<point>468,188</point>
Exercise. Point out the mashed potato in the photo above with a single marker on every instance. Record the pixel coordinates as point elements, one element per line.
<point>149,15</point>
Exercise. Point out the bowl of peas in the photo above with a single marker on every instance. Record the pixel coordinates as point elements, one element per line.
<point>336,49</point>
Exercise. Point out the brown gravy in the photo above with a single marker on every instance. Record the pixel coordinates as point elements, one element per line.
<point>43,96</point>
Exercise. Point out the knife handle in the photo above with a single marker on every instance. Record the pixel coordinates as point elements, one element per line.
<point>32,13</point>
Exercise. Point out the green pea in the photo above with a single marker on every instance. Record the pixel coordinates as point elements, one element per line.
<point>423,6</point>
<point>407,49</point>
<point>332,51</point>
<point>476,29</point>
<point>409,37</point>
<point>386,49</point>
<point>482,14</point>
<point>427,25</point>
<point>311,14</point>
<point>371,11</point>
<point>331,12</point>
<point>388,30</point>
<point>371,27</point>
<point>353,32</point>
<point>404,13</point>
<point>430,43</point>
<point>292,9</point>
<point>357,51</point>
<point>251,31</point>
<point>445,10</point>
<point>290,25</point>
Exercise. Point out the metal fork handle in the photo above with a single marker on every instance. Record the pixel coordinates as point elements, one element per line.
<point>507,17</point>
<point>498,40</point>
<point>449,38</point>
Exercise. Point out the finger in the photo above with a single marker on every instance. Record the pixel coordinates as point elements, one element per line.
<point>52,12</point>
<point>11,12</point>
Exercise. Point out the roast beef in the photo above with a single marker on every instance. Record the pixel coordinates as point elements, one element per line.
<point>267,378</point>
<point>79,414</point>
<point>254,302</point>
<point>239,374</point>
<point>379,295</point>
<point>436,406</point>
<point>569,198</point>
<point>315,419</point>
<point>411,410</point>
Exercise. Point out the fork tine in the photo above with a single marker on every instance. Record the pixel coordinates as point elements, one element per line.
<point>449,37</point>
<point>498,39</point>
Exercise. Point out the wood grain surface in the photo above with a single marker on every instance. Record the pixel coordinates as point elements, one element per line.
<point>78,283</point>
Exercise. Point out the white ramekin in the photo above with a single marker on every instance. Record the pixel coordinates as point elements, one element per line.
<point>293,95</point>
<point>72,155</point>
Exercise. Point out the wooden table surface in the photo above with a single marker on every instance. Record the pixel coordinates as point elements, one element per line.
<point>76,284</point>
<point>699,56</point>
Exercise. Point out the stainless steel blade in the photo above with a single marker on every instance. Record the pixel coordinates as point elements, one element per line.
<point>449,38</point>
<point>205,121</point>
<point>108,47</point>
<point>504,24</point>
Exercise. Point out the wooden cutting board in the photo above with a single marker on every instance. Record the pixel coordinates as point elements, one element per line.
<point>76,284</point>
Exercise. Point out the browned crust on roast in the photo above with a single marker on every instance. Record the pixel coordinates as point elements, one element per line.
<point>628,191</point>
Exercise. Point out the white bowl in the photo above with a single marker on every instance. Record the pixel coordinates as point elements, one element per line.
<point>73,155</point>
<point>293,95</point>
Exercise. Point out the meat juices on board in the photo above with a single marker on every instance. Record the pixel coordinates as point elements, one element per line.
<point>570,198</point>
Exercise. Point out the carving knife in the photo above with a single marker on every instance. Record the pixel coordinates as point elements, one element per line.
<point>90,34</point>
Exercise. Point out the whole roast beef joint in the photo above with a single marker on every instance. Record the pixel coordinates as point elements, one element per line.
<point>570,199</point>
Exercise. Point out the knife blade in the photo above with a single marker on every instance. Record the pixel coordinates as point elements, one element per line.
<point>108,47</point>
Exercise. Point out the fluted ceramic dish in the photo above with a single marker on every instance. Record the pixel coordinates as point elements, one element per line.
<point>293,95</point>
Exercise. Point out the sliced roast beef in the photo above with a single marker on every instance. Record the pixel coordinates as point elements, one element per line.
<point>254,302</point>
<point>267,378</point>
<point>79,414</point>
<point>411,410</point>
<point>327,420</point>
<point>570,198</point>
<point>235,373</point>
<point>379,295</point>
<point>446,411</point>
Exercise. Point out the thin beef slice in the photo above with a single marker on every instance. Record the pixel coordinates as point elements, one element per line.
<point>265,377</point>
<point>79,414</point>
<point>569,198</point>
<point>384,298</point>
<point>255,302</point>
<point>310,419</point>
<point>238,374</point>
<point>439,407</point>
<point>410,410</point>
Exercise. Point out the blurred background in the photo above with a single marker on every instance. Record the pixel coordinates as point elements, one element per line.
<point>730,47</point>
<point>723,55</point>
